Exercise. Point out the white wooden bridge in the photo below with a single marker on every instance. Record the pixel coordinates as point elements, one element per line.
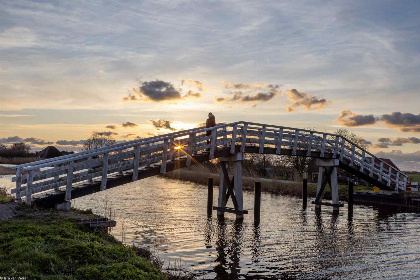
<point>62,178</point>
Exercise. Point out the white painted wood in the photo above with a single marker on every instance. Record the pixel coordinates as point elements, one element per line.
<point>352,155</point>
<point>324,141</point>
<point>120,172</point>
<point>233,143</point>
<point>136,164</point>
<point>389,176</point>
<point>164,156</point>
<point>295,142</point>
<point>237,170</point>
<point>280,141</point>
<point>225,134</point>
<point>397,181</point>
<point>404,188</point>
<point>262,139</point>
<point>372,166</point>
<point>311,135</point>
<point>362,165</point>
<point>56,177</point>
<point>343,148</point>
<point>28,189</point>
<point>321,171</point>
<point>244,134</point>
<point>381,170</point>
<point>90,163</point>
<point>213,143</point>
<point>336,147</point>
<point>334,188</point>
<point>69,181</point>
<point>104,171</point>
<point>18,184</point>
<point>190,149</point>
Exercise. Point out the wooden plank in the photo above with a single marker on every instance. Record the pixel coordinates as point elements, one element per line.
<point>352,155</point>
<point>362,165</point>
<point>381,170</point>
<point>343,148</point>
<point>213,143</point>
<point>262,139</point>
<point>372,166</point>
<point>324,141</point>
<point>69,181</point>
<point>229,210</point>
<point>104,171</point>
<point>336,147</point>
<point>397,180</point>
<point>28,189</point>
<point>295,142</point>
<point>164,156</point>
<point>389,175</point>
<point>190,149</point>
<point>233,143</point>
<point>119,160</point>
<point>136,163</point>
<point>18,184</point>
<point>311,135</point>
<point>244,134</point>
<point>280,141</point>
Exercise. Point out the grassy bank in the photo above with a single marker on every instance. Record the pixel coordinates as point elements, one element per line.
<point>413,177</point>
<point>50,245</point>
<point>267,185</point>
<point>5,196</point>
<point>7,170</point>
<point>17,160</point>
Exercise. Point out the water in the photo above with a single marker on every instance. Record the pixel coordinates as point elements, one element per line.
<point>170,217</point>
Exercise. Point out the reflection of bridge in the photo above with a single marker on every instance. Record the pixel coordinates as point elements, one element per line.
<point>63,178</point>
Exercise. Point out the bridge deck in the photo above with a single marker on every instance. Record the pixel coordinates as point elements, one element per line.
<point>82,173</point>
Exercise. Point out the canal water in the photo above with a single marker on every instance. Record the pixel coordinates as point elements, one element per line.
<point>169,217</point>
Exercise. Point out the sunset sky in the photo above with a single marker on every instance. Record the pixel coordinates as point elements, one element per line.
<point>68,68</point>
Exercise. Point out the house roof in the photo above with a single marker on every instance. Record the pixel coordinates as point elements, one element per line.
<point>49,152</point>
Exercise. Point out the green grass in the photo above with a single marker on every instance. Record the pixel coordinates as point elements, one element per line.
<point>5,197</point>
<point>42,248</point>
<point>413,177</point>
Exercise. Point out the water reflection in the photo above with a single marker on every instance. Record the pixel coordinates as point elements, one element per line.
<point>289,242</point>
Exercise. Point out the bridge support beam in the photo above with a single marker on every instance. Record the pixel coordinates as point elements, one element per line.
<point>231,188</point>
<point>327,174</point>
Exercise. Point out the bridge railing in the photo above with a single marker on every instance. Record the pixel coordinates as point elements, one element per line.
<point>71,171</point>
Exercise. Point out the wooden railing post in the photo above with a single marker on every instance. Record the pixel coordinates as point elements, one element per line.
<point>213,142</point>
<point>343,148</point>
<point>257,203</point>
<point>336,147</point>
<point>262,139</point>
<point>244,133</point>
<point>56,177</point>
<point>69,181</point>
<point>225,136</point>
<point>28,189</point>
<point>190,149</point>
<point>381,170</point>
<point>233,143</point>
<point>104,171</point>
<point>389,175</point>
<point>295,142</point>
<point>324,141</point>
<point>353,148</point>
<point>136,164</point>
<point>362,165</point>
<point>397,181</point>
<point>210,197</point>
<point>311,135</point>
<point>120,161</point>
<point>90,175</point>
<point>18,184</point>
<point>279,142</point>
<point>164,156</point>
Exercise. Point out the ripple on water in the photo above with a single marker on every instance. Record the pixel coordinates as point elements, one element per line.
<point>170,217</point>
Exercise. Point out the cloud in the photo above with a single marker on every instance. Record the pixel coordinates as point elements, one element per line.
<point>129,124</point>
<point>129,135</point>
<point>12,139</point>
<point>101,71</point>
<point>399,141</point>
<point>111,126</point>
<point>199,85</point>
<point>348,118</point>
<point>106,133</point>
<point>193,94</point>
<point>70,142</point>
<point>300,98</point>
<point>405,122</point>
<point>1,69</point>
<point>256,92</point>
<point>404,161</point>
<point>162,124</point>
<point>246,86</point>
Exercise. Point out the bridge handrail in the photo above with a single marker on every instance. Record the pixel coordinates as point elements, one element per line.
<point>115,147</point>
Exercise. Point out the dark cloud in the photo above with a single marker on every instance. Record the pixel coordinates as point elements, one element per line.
<point>399,141</point>
<point>162,124</point>
<point>404,161</point>
<point>111,126</point>
<point>253,93</point>
<point>348,118</point>
<point>37,141</point>
<point>70,142</point>
<point>300,98</point>
<point>129,135</point>
<point>106,133</point>
<point>405,122</point>
<point>365,142</point>
<point>12,139</point>
<point>129,124</point>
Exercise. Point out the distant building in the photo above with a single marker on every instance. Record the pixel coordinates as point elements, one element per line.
<point>49,152</point>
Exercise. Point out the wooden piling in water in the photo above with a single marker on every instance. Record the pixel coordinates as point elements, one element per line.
<point>350,200</point>
<point>257,203</point>
<point>305,193</point>
<point>210,198</point>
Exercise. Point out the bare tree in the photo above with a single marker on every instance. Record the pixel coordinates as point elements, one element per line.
<point>98,140</point>
<point>353,137</point>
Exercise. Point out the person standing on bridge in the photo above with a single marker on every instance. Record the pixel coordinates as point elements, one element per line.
<point>211,122</point>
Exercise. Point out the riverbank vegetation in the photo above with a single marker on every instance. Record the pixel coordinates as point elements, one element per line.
<point>50,245</point>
